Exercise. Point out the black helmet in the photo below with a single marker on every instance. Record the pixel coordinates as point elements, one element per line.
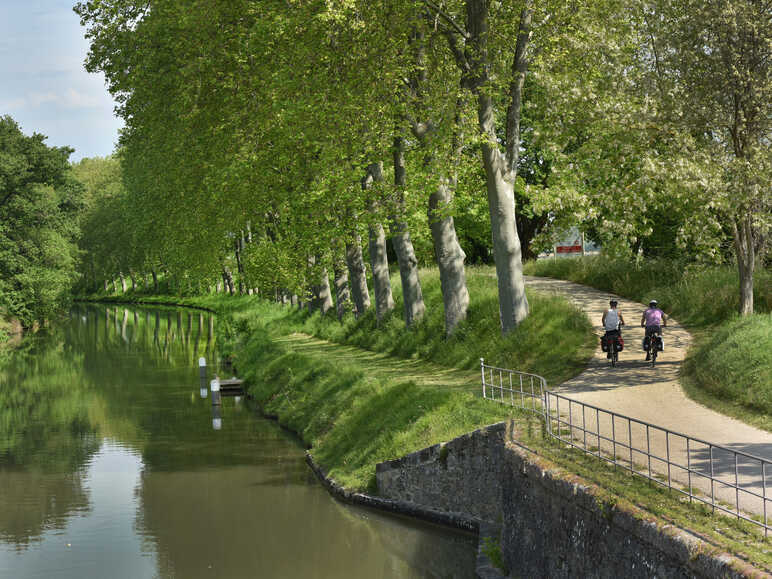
<point>613,302</point>
<point>653,303</point>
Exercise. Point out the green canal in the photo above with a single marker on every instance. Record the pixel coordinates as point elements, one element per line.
<point>114,464</point>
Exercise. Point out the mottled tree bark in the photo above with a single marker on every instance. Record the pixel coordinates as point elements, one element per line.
<point>447,250</point>
<point>227,277</point>
<point>342,292</point>
<point>321,297</point>
<point>238,246</point>
<point>412,296</point>
<point>500,168</point>
<point>379,262</point>
<point>746,261</point>
<point>123,282</point>
<point>450,258</point>
<point>357,276</point>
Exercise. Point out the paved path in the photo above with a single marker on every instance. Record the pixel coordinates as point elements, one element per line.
<point>654,395</point>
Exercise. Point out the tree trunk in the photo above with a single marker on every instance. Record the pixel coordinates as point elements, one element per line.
<point>379,262</point>
<point>448,253</point>
<point>412,296</point>
<point>115,287</point>
<point>513,305</point>
<point>322,299</point>
<point>746,262</point>
<point>239,267</point>
<point>342,292</point>
<point>123,282</point>
<point>133,282</point>
<point>358,276</point>
<point>450,259</point>
<point>228,280</point>
<point>155,280</point>
<point>501,170</point>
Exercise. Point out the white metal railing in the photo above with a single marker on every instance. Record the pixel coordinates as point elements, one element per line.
<point>724,479</point>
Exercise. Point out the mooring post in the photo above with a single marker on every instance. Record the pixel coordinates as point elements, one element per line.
<point>202,376</point>
<point>215,387</point>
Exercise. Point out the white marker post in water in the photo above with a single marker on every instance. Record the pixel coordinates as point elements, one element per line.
<point>214,386</point>
<point>202,376</point>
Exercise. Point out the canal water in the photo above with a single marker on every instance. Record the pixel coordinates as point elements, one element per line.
<point>113,464</point>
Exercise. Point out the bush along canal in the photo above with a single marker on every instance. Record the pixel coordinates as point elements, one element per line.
<point>114,462</point>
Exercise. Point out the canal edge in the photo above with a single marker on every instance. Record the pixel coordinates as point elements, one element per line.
<point>484,567</point>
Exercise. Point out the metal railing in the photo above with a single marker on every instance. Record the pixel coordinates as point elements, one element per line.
<point>519,386</point>
<point>724,479</point>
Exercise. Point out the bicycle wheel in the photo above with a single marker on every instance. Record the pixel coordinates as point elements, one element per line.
<point>614,356</point>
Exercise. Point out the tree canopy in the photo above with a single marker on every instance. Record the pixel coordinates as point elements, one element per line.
<point>264,142</point>
<point>39,206</point>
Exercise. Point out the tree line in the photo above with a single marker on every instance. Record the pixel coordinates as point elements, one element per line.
<point>279,145</point>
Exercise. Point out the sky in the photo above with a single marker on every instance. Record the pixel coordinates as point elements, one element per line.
<point>43,84</point>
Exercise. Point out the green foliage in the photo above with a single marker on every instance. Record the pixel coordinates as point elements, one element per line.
<point>694,293</point>
<point>40,204</point>
<point>734,363</point>
<point>491,548</point>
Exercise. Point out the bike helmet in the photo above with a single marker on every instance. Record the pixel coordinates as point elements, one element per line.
<point>613,302</point>
<point>653,303</point>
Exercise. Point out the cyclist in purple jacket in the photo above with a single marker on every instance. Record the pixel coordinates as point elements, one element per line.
<point>653,319</point>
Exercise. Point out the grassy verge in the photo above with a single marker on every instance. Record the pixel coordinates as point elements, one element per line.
<point>729,367</point>
<point>555,341</point>
<point>356,408</point>
<point>697,295</point>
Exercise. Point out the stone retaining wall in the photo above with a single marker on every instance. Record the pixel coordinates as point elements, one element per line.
<point>550,525</point>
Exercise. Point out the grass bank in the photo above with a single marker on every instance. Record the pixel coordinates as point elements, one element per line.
<point>729,366</point>
<point>555,341</point>
<point>357,407</point>
<point>417,387</point>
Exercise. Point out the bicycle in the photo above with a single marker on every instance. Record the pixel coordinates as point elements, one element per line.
<point>652,348</point>
<point>615,344</point>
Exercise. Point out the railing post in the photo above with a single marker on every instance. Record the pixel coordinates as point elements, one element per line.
<point>482,375</point>
<point>764,495</point>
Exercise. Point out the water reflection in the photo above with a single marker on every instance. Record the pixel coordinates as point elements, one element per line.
<point>109,446</point>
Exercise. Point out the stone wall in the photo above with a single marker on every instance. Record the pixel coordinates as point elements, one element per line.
<point>550,524</point>
<point>440,475</point>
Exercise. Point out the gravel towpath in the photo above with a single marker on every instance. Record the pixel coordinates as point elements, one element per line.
<point>653,395</point>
